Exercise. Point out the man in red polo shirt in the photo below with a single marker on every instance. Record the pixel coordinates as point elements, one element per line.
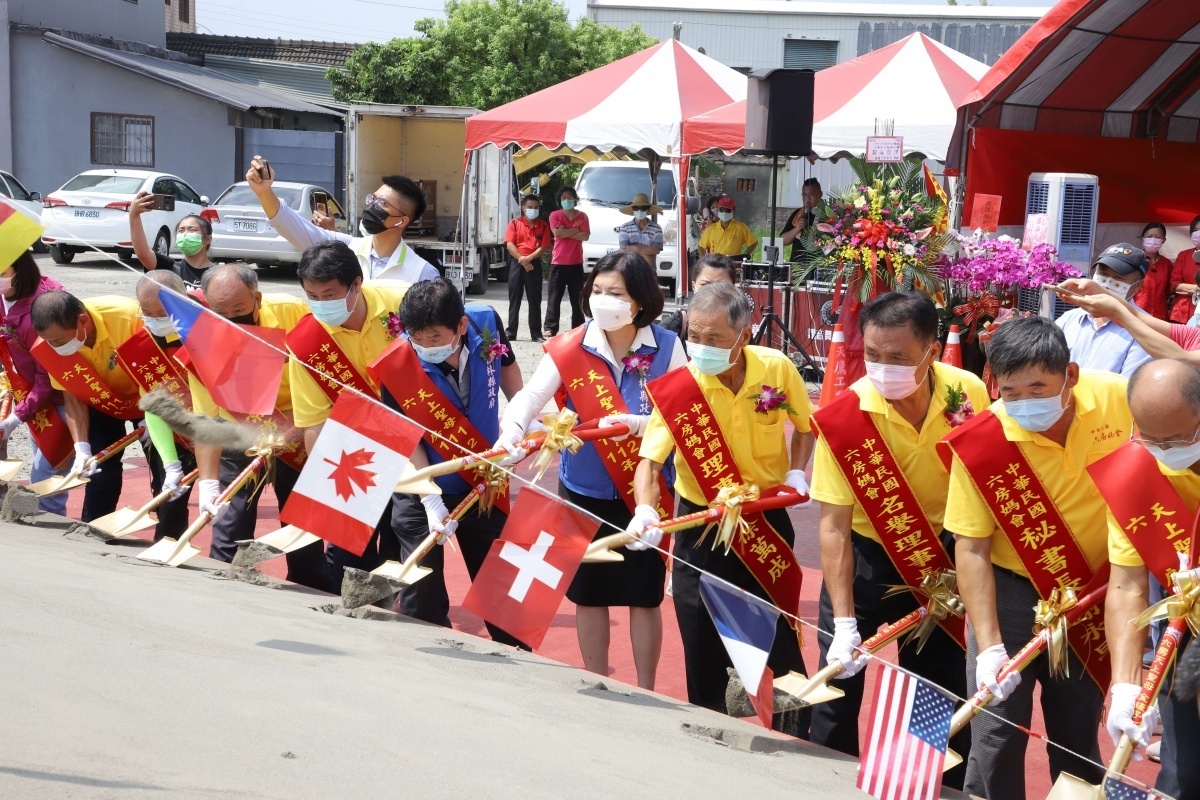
<point>527,238</point>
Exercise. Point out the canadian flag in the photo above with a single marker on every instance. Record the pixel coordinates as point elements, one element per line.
<point>528,569</point>
<point>351,473</point>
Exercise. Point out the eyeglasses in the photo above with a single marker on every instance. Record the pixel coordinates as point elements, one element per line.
<point>375,201</point>
<point>1137,438</point>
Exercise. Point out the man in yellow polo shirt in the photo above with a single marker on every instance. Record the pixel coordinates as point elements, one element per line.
<point>91,330</point>
<point>355,322</point>
<point>906,402</point>
<point>1164,397</point>
<point>727,235</point>
<point>731,377</point>
<point>232,291</point>
<point>1029,455</point>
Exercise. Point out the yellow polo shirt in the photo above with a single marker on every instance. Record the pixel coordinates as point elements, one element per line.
<point>1101,425</point>
<point>756,440</point>
<point>116,319</point>
<point>913,450</point>
<point>730,241</point>
<point>1120,549</point>
<point>278,311</point>
<point>310,404</point>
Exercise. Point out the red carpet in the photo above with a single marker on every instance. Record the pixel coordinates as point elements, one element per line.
<point>560,643</point>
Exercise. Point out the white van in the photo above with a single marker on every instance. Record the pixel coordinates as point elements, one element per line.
<point>604,186</point>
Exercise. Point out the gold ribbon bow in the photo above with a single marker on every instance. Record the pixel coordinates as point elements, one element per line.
<point>495,481</point>
<point>1050,616</point>
<point>730,499</point>
<point>1184,604</point>
<point>266,446</point>
<point>558,438</point>
<point>939,591</point>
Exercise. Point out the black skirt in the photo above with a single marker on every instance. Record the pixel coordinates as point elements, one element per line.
<point>637,581</point>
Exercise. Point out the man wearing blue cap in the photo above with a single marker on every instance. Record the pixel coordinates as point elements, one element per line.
<point>1095,342</point>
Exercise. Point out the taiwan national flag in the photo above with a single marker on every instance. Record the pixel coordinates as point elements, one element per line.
<point>746,626</point>
<point>241,366</point>
<point>351,472</point>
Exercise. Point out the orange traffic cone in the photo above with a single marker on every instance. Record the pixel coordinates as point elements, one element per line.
<point>952,355</point>
<point>835,369</point>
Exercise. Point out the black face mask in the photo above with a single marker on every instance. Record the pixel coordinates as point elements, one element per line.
<point>372,220</point>
<point>244,319</point>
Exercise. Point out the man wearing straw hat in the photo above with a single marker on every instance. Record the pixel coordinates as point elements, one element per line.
<point>641,234</point>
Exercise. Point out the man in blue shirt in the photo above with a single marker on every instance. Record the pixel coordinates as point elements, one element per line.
<point>1099,343</point>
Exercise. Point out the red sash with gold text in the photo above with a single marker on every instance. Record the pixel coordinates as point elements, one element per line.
<point>763,550</point>
<point>1028,518</point>
<point>78,377</point>
<point>883,492</point>
<point>151,367</point>
<point>399,369</point>
<point>313,345</point>
<point>46,426</point>
<point>1146,506</point>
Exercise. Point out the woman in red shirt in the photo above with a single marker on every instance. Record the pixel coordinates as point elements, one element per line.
<point>1183,279</point>
<point>1155,294</point>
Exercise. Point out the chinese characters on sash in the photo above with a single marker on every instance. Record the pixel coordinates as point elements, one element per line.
<point>78,377</point>
<point>313,345</point>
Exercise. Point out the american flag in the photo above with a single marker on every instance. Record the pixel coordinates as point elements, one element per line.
<point>1117,789</point>
<point>910,730</point>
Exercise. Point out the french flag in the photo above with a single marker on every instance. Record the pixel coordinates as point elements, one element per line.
<point>746,626</point>
<point>241,366</point>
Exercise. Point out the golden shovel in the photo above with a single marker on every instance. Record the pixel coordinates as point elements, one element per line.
<point>173,552</point>
<point>72,480</point>
<point>287,539</point>
<point>9,467</point>
<point>126,520</point>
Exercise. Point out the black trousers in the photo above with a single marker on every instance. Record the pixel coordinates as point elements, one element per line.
<point>173,514</point>
<point>704,656</point>
<point>306,566</point>
<point>427,599</point>
<point>530,282</point>
<point>103,490</point>
<point>1180,773</point>
<point>563,278</point>
<point>941,661</point>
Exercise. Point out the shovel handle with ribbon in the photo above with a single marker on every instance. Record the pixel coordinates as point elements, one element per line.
<point>6,404</point>
<point>125,521</point>
<point>56,485</point>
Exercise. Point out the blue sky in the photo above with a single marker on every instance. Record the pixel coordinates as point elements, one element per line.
<point>367,20</point>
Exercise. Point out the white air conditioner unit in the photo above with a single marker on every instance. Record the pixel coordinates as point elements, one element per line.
<point>1070,199</point>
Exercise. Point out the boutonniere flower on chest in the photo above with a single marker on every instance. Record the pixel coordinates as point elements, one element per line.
<point>392,324</point>
<point>770,399</point>
<point>638,362</point>
<point>958,406</point>
<point>490,348</point>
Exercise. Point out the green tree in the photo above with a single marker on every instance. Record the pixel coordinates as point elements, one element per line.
<point>484,53</point>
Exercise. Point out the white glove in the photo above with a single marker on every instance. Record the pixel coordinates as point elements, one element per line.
<point>636,423</point>
<point>510,439</point>
<point>144,440</point>
<point>844,647</point>
<point>795,479</point>
<point>9,425</point>
<point>83,454</point>
<point>436,513</point>
<point>1120,715</point>
<point>173,478</point>
<point>988,665</point>
<point>210,492</point>
<point>645,525</point>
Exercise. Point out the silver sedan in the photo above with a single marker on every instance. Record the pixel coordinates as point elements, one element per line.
<point>241,231</point>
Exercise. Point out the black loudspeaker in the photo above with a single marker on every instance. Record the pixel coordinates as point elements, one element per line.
<point>779,112</point>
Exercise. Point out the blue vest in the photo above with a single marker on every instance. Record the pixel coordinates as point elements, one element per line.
<point>584,472</point>
<point>483,408</point>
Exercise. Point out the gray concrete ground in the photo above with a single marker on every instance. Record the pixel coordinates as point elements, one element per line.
<point>127,680</point>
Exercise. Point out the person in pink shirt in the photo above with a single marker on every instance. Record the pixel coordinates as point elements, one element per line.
<point>571,229</point>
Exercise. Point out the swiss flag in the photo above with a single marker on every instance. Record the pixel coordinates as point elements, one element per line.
<point>528,569</point>
<point>351,473</point>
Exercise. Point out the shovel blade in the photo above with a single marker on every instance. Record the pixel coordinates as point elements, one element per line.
<point>167,551</point>
<point>288,539</point>
<point>122,522</point>
<point>951,760</point>
<point>396,574</point>
<point>806,692</point>
<point>1068,787</point>
<point>9,467</point>
<point>602,555</point>
<point>57,485</point>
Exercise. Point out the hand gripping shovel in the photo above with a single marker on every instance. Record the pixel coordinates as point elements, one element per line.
<point>72,480</point>
<point>127,520</point>
<point>173,552</point>
<point>9,467</point>
<point>360,588</point>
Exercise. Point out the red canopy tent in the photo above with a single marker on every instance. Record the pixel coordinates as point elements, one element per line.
<point>1106,87</point>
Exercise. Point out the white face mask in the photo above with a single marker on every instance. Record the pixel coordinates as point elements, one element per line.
<point>436,355</point>
<point>5,285</point>
<point>1176,458</point>
<point>640,215</point>
<point>159,326</point>
<point>895,381</point>
<point>69,349</point>
<point>531,213</point>
<point>609,312</point>
<point>1119,288</point>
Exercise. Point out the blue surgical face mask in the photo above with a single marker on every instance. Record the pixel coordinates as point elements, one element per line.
<point>333,312</point>
<point>1036,414</point>
<point>710,360</point>
<point>1176,458</point>
<point>435,355</point>
<point>567,205</point>
<point>725,216</point>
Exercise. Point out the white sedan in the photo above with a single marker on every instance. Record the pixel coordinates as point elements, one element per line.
<point>92,211</point>
<point>241,231</point>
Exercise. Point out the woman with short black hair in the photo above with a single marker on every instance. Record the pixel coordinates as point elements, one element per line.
<point>711,268</point>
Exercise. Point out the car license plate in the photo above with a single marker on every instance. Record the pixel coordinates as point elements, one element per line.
<point>87,213</point>
<point>250,225</point>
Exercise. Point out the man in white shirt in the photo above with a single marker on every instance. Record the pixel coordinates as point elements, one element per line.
<point>1098,343</point>
<point>382,252</point>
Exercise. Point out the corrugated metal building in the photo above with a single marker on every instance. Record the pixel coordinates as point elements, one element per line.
<point>760,34</point>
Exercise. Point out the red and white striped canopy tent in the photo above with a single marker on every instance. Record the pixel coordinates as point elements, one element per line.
<point>1107,87</point>
<point>916,83</point>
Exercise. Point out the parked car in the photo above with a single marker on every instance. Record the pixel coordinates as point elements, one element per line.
<point>93,209</point>
<point>20,197</point>
<point>241,231</point>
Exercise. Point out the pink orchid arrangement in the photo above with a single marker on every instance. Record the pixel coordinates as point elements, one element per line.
<point>1001,264</point>
<point>393,325</point>
<point>770,399</point>
<point>495,350</point>
<point>637,362</point>
<point>958,406</point>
